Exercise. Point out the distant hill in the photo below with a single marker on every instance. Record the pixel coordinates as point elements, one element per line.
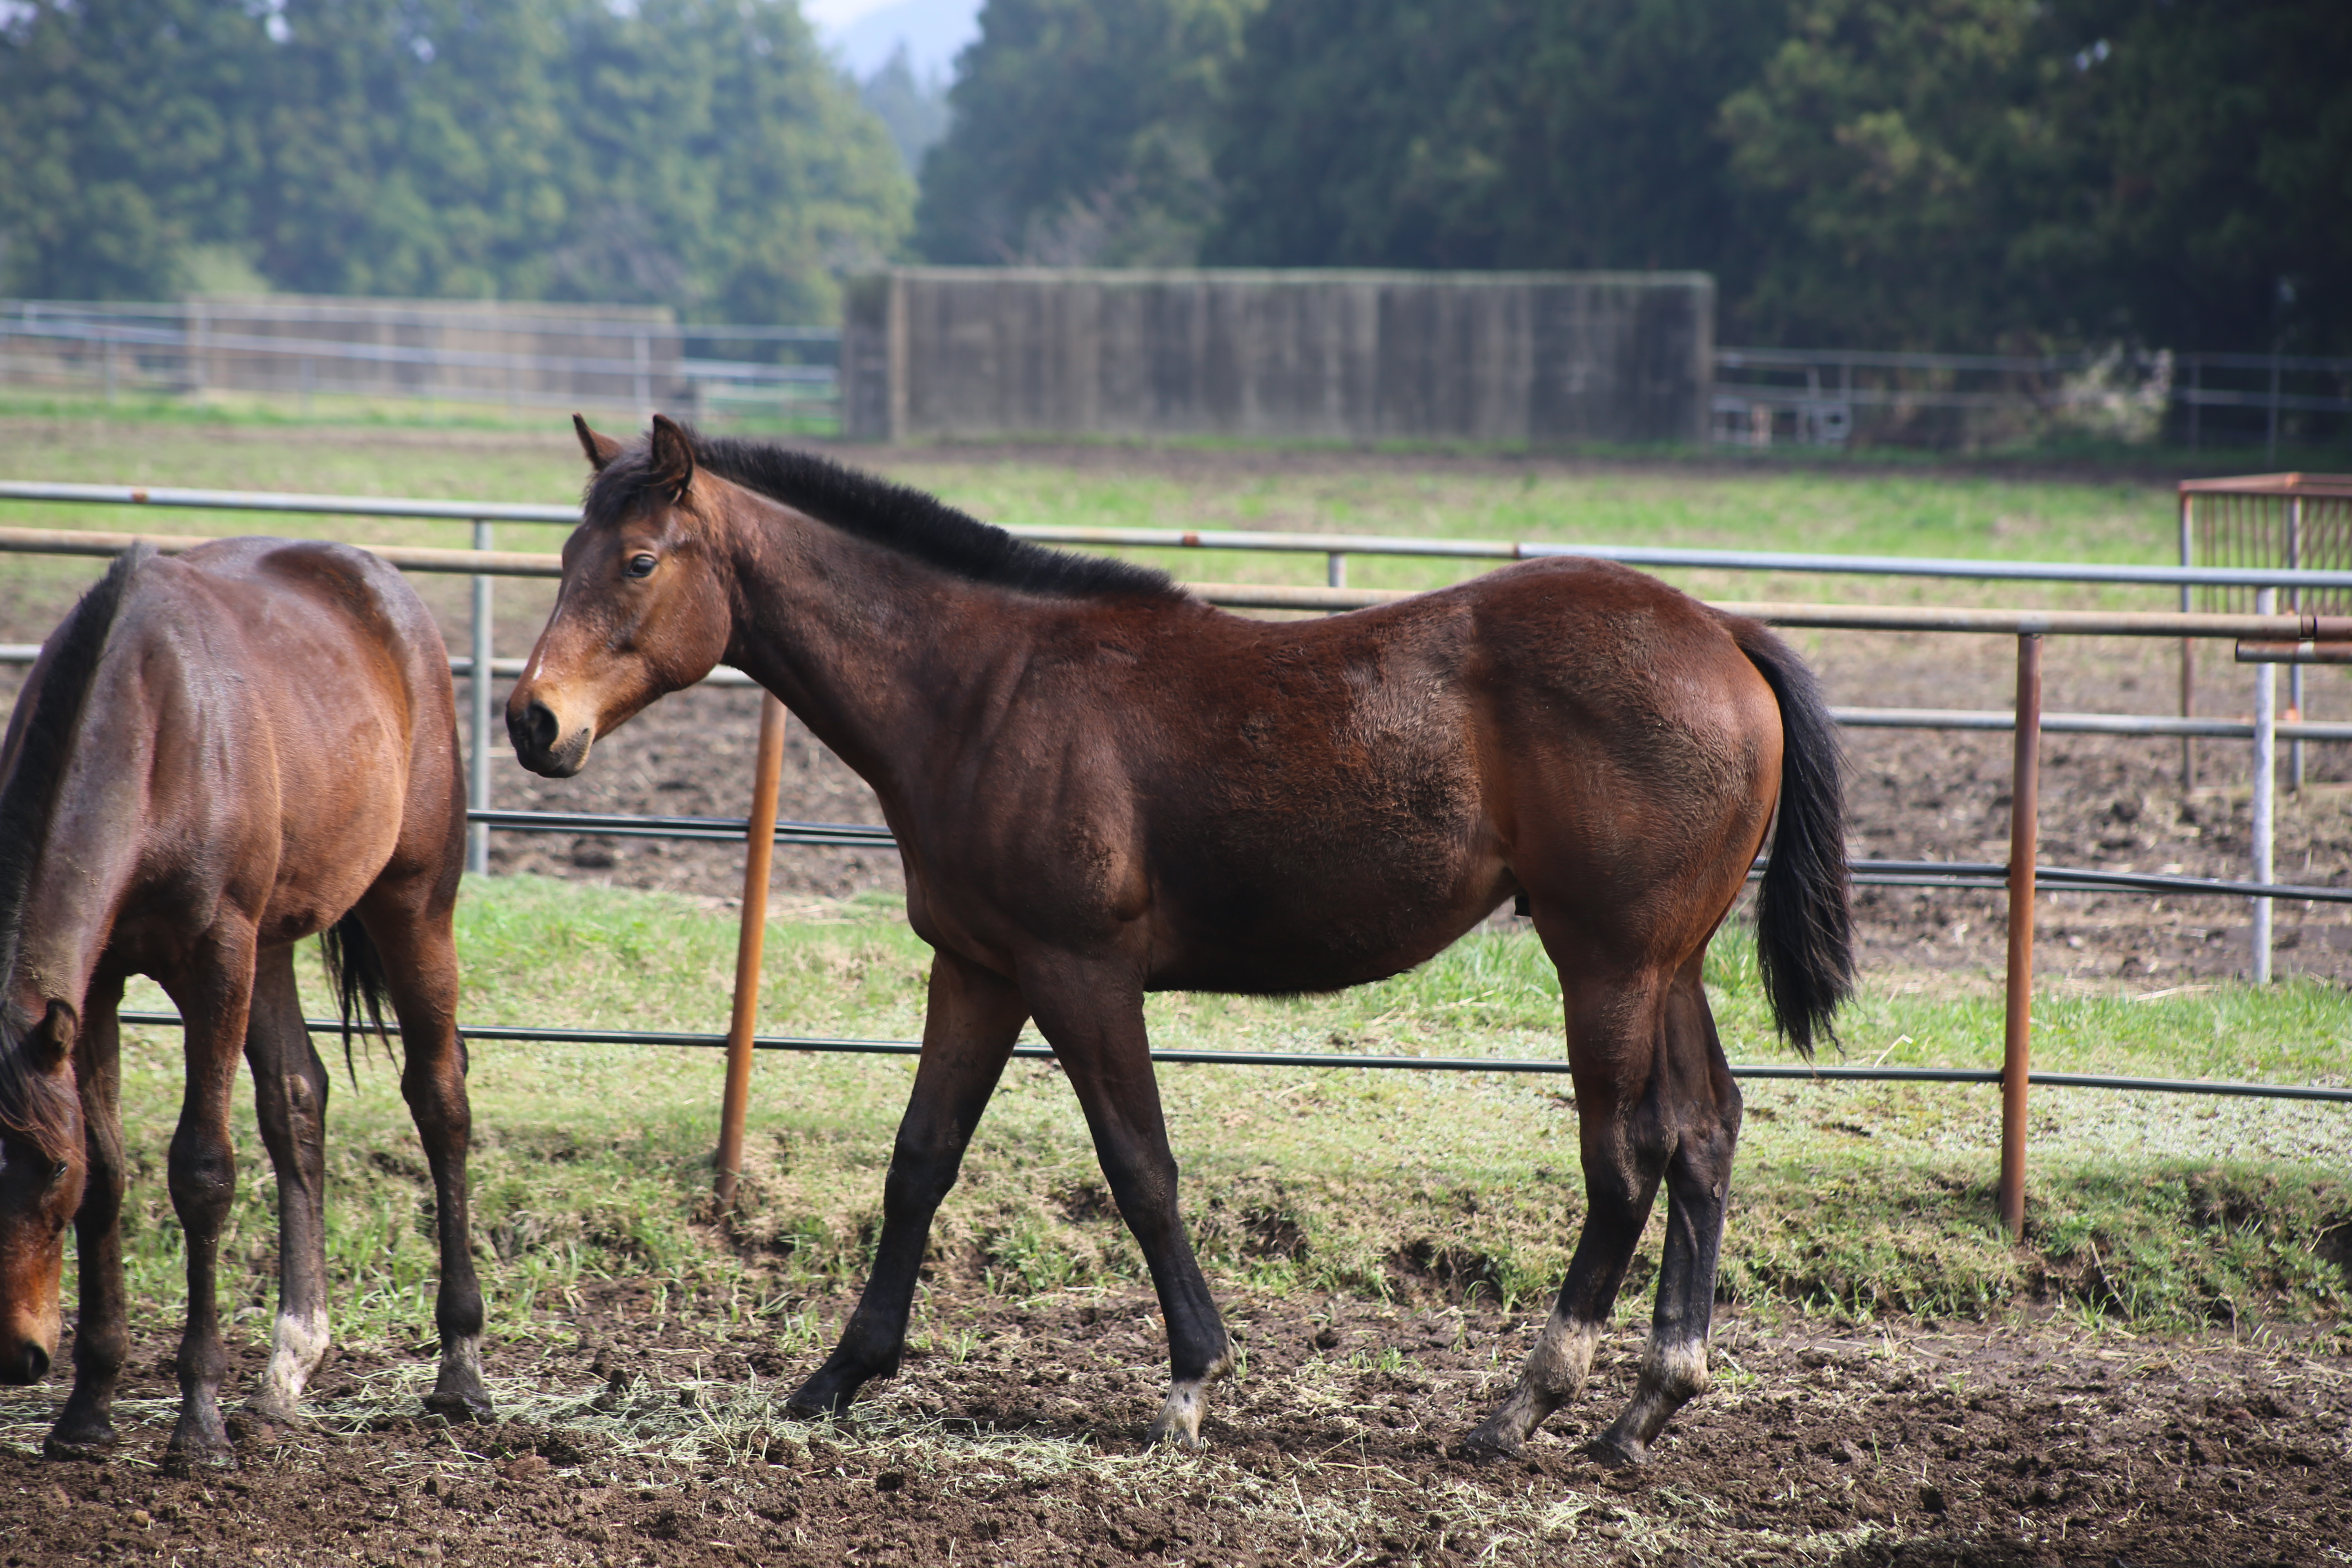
<point>932,31</point>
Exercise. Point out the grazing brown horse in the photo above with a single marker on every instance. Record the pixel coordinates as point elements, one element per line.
<point>214,757</point>
<point>1102,786</point>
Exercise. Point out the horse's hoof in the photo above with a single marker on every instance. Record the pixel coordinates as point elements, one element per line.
<point>1615,1453</point>
<point>1168,1434</point>
<point>1486,1445</point>
<point>185,1459</point>
<point>829,1393</point>
<point>261,1417</point>
<point>461,1406</point>
<point>806,1407</point>
<point>94,1445</point>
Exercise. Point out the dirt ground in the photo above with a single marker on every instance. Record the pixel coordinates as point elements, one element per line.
<point>1017,1438</point>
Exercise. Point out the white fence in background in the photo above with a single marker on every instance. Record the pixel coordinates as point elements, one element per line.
<point>607,357</point>
<point>1832,397</point>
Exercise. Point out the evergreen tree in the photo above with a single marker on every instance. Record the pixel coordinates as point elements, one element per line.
<point>1081,132</point>
<point>915,110</point>
<point>1516,133</point>
<point>122,141</point>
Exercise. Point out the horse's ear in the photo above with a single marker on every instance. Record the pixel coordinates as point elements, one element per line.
<point>601,449</point>
<point>673,456</point>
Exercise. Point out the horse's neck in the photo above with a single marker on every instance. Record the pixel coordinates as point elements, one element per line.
<point>867,646</point>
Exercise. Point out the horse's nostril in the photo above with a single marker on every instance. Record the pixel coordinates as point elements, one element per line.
<point>30,1364</point>
<point>539,727</point>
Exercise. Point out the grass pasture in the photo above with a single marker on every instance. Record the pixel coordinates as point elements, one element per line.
<point>1854,1201</point>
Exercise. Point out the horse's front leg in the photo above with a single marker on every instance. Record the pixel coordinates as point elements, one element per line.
<point>214,999</point>
<point>290,1085</point>
<point>973,1019</point>
<point>101,1327</point>
<point>1094,1020</point>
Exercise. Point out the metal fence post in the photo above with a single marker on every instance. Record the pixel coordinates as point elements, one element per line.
<point>2265,766</point>
<point>478,692</point>
<point>759,848</point>
<point>2017,1046</point>
<point>2188,647</point>
<point>1336,569</point>
<point>2295,671</point>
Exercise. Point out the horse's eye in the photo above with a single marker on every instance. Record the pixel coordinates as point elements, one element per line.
<point>640,565</point>
<point>57,1172</point>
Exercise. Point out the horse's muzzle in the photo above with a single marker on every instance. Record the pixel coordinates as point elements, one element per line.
<point>24,1363</point>
<point>540,744</point>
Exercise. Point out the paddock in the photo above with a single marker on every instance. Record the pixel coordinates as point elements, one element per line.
<point>1336,1451</point>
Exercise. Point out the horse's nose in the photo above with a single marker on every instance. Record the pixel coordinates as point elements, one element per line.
<point>533,730</point>
<point>27,1363</point>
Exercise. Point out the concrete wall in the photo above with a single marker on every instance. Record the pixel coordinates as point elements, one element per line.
<point>1475,356</point>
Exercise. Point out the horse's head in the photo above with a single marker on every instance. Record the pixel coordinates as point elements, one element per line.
<point>42,1170</point>
<point>644,609</point>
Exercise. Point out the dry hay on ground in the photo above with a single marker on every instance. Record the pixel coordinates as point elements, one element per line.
<point>1014,1435</point>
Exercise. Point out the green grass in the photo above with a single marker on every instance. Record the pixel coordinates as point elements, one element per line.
<point>1856,1199</point>
<point>1845,507</point>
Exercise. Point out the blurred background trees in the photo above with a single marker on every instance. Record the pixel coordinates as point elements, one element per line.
<point>1892,173</point>
<point>699,153</point>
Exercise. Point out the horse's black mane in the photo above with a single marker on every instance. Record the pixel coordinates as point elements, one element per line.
<point>43,731</point>
<point>895,516</point>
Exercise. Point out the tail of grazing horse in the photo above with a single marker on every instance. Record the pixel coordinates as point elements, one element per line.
<point>37,752</point>
<point>1804,915</point>
<point>355,971</point>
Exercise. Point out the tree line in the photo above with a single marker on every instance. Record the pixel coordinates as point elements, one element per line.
<point>1969,175</point>
<point>700,153</point>
<point>1962,175</point>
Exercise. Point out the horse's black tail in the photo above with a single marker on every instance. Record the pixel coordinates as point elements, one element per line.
<point>1804,910</point>
<point>355,970</point>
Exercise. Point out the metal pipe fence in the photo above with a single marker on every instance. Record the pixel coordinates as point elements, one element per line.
<point>623,359</point>
<point>1032,1051</point>
<point>1832,397</point>
<point>2019,875</point>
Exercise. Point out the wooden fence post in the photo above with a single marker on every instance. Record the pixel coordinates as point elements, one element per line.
<point>2017,1048</point>
<point>759,851</point>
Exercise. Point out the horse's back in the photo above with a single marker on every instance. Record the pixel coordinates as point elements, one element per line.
<point>285,710</point>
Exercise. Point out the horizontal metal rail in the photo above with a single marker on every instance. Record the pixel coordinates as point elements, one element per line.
<point>1252,596</point>
<point>217,343</point>
<point>726,829</point>
<point>1869,873</point>
<point>1986,719</point>
<point>1246,540</point>
<point>817,1044</point>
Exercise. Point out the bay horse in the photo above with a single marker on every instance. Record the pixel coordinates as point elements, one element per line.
<point>215,756</point>
<point>1102,786</point>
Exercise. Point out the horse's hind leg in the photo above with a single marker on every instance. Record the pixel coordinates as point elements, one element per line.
<point>101,1327</point>
<point>1703,1101</point>
<point>968,1033</point>
<point>212,996</point>
<point>1613,1030</point>
<point>409,919</point>
<point>290,1085</point>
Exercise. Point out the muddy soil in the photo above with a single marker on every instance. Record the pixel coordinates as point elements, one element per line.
<point>1017,1437</point>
